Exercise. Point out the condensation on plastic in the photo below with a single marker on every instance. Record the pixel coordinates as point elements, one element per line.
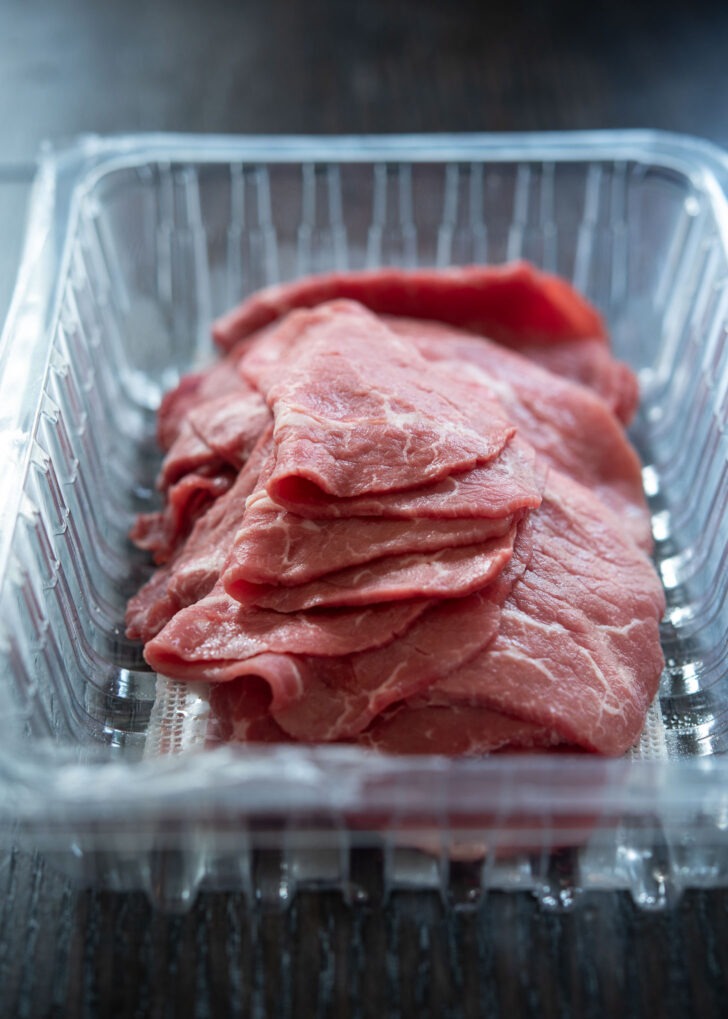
<point>133,245</point>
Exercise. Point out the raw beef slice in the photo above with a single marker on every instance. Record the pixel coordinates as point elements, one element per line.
<point>330,672</point>
<point>508,484</point>
<point>447,573</point>
<point>533,312</point>
<point>570,427</point>
<point>276,547</point>
<point>566,660</point>
<point>428,542</point>
<point>217,639</point>
<point>511,303</point>
<point>356,410</point>
<point>195,569</point>
<point>577,652</point>
<point>164,532</point>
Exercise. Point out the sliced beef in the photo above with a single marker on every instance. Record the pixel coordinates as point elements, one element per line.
<point>212,444</point>
<point>163,532</point>
<point>428,542</point>
<point>448,573</point>
<point>569,426</point>
<point>320,692</point>
<point>356,411</point>
<point>327,690</point>
<point>567,659</point>
<point>218,431</point>
<point>578,648</point>
<point>231,424</point>
<point>188,454</point>
<point>217,639</point>
<point>509,484</point>
<point>196,568</point>
<point>513,304</point>
<point>316,696</point>
<point>274,546</point>
<point>341,696</point>
<point>219,379</point>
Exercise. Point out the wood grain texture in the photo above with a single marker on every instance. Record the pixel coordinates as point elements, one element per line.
<point>86,954</point>
<point>357,66</point>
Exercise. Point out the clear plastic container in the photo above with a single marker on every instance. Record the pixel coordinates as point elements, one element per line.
<point>133,245</point>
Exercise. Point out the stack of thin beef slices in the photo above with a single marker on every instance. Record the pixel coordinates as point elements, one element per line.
<point>402,512</point>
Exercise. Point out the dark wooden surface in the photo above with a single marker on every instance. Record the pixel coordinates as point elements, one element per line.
<point>358,65</point>
<point>65,953</point>
<point>390,66</point>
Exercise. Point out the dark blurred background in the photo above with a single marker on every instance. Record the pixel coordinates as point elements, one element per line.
<point>69,66</point>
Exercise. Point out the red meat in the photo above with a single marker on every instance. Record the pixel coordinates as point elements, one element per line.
<point>164,532</point>
<point>447,573</point>
<point>578,650</point>
<point>537,314</point>
<point>570,659</point>
<point>195,569</point>
<point>356,411</point>
<point>383,528</point>
<point>569,426</point>
<point>219,379</point>
<point>219,639</point>
<point>508,484</point>
<point>513,304</point>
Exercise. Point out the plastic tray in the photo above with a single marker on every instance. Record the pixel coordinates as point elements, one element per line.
<point>133,245</point>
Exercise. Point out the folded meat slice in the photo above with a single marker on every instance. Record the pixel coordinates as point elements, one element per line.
<point>274,546</point>
<point>507,485</point>
<point>217,640</point>
<point>188,454</point>
<point>515,305</point>
<point>568,425</point>
<point>193,572</point>
<point>571,658</point>
<point>217,432</point>
<point>448,573</point>
<point>357,410</point>
<point>231,424</point>
<point>324,691</point>
<point>219,379</point>
<point>512,303</point>
<point>341,696</point>
<point>578,650</point>
<point>211,438</point>
<point>163,532</point>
